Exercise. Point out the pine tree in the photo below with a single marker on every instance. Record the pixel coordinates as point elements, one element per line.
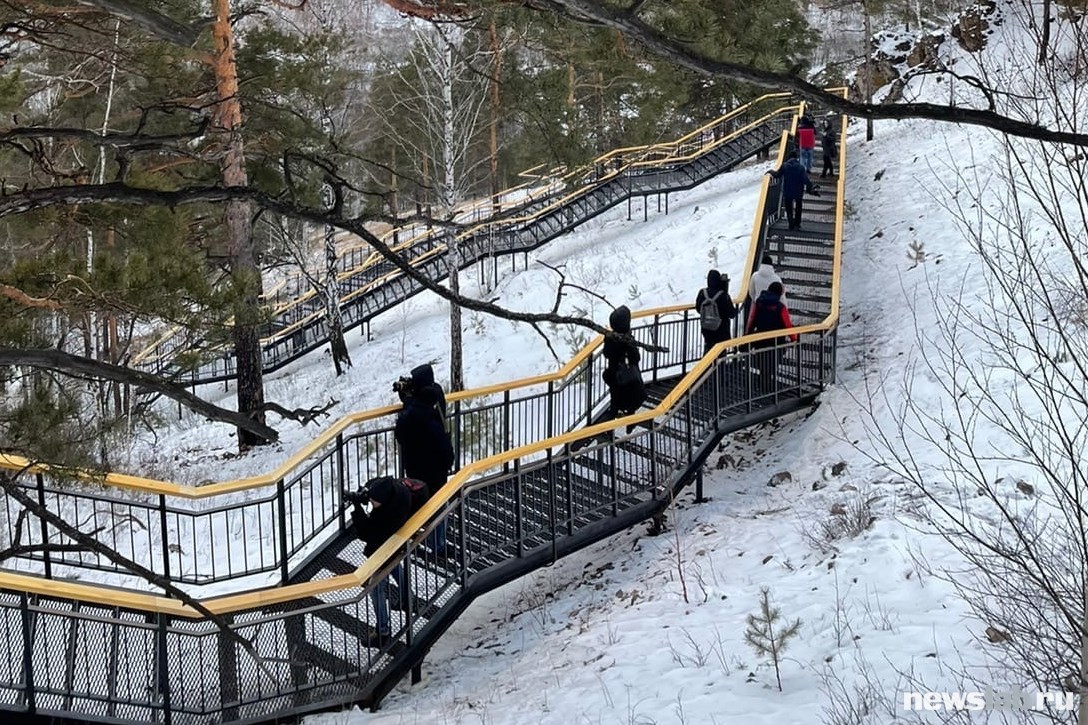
<point>762,636</point>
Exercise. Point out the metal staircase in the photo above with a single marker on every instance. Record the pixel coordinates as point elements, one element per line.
<point>374,288</point>
<point>78,653</point>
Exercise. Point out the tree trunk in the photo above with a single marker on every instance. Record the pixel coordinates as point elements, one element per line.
<point>868,68</point>
<point>333,319</point>
<point>1044,39</point>
<point>449,201</point>
<point>493,129</point>
<point>245,275</point>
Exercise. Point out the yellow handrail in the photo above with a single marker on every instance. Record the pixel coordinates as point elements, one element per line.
<point>373,565</point>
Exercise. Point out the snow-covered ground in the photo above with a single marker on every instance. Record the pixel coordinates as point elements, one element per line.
<point>641,629</point>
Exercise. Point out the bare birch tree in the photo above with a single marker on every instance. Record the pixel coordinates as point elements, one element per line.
<point>439,121</point>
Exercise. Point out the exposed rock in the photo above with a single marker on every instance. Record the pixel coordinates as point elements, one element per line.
<point>838,468</point>
<point>1025,488</point>
<point>924,52</point>
<point>838,509</point>
<point>973,25</point>
<point>779,478</point>
<point>996,636</point>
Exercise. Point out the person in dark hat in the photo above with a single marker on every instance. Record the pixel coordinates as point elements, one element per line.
<point>426,451</point>
<point>383,507</point>
<point>795,183</point>
<point>621,374</point>
<point>716,310</point>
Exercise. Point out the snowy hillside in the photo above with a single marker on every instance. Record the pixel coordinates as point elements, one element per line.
<point>609,635</point>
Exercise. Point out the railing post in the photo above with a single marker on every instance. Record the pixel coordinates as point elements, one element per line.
<point>162,679</point>
<point>463,537</point>
<point>590,378</point>
<point>28,655</point>
<point>457,434</point>
<point>684,341</point>
<point>519,518</point>
<point>39,479</point>
<point>552,483</point>
<point>281,505</point>
<point>549,425</point>
<point>165,537</point>
<point>690,442</point>
<point>341,477</point>
<point>507,433</point>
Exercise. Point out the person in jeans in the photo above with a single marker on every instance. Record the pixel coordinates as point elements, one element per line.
<point>391,502</point>
<point>806,140</point>
<point>795,183</point>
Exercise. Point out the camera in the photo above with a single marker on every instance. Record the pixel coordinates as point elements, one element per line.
<point>361,497</point>
<point>404,387</point>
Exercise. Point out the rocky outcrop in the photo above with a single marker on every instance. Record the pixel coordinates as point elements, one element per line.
<point>893,57</point>
<point>924,52</point>
<point>973,25</point>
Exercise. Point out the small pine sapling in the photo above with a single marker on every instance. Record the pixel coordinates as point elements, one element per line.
<point>762,636</point>
<point>916,253</point>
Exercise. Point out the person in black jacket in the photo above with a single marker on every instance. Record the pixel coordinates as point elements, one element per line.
<point>831,150</point>
<point>795,183</point>
<point>426,452</point>
<point>717,290</point>
<point>626,394</point>
<point>390,504</point>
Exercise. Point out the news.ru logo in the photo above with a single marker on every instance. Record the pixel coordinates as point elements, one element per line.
<point>990,700</point>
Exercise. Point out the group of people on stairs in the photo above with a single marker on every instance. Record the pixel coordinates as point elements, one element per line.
<point>426,451</point>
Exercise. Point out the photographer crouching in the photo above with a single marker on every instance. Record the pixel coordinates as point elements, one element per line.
<point>379,509</point>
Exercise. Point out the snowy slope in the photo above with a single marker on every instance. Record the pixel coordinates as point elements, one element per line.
<point>607,635</point>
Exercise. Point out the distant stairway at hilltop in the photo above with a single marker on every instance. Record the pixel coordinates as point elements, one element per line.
<point>299,327</point>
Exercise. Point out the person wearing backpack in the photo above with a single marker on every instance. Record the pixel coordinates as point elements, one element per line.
<point>716,310</point>
<point>381,508</point>
<point>621,374</point>
<point>769,313</point>
<point>426,451</point>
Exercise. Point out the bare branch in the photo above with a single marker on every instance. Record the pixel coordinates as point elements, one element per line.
<point>76,366</point>
<point>302,415</point>
<point>671,49</point>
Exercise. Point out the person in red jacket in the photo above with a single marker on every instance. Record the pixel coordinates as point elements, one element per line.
<point>806,140</point>
<point>769,313</point>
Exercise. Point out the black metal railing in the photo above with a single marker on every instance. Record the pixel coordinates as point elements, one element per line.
<point>260,535</point>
